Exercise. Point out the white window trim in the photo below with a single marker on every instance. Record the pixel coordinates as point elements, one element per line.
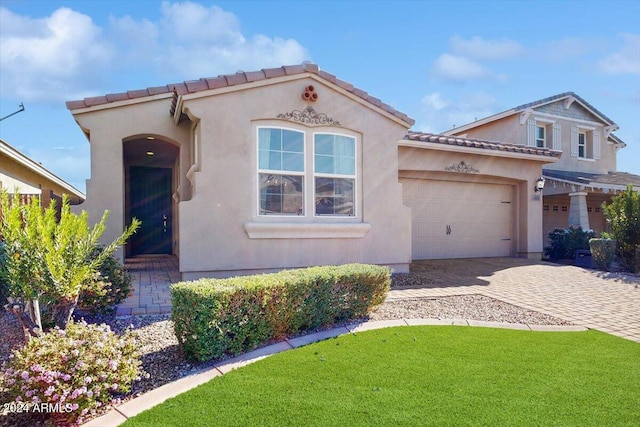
<point>306,230</point>
<point>325,175</point>
<point>281,172</point>
<point>308,226</point>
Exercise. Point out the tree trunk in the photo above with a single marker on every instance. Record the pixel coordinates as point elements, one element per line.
<point>19,309</point>
<point>63,310</point>
<point>33,310</point>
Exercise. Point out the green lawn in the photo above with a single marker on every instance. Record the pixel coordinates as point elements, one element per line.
<point>427,375</point>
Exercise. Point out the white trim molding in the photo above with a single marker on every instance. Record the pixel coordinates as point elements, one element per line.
<point>288,230</point>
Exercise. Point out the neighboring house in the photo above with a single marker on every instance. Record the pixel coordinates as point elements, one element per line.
<point>290,167</point>
<point>31,179</point>
<point>586,175</point>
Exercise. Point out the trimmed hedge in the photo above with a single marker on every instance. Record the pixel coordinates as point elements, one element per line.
<point>217,317</point>
<point>603,252</point>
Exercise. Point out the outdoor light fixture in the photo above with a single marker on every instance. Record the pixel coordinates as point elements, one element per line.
<point>151,153</point>
<point>539,185</point>
<point>150,137</point>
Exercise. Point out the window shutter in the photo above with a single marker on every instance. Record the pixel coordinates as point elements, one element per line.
<point>531,133</point>
<point>574,141</point>
<point>596,144</point>
<point>557,137</point>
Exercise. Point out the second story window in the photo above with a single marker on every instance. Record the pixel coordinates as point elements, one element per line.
<point>540,136</point>
<point>582,145</point>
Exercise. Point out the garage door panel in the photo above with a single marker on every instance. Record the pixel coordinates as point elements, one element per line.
<point>459,220</point>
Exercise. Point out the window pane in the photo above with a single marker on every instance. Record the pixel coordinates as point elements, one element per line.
<point>292,141</point>
<point>346,166</point>
<point>345,146</point>
<point>334,154</point>
<point>263,162</point>
<point>274,143</point>
<point>275,160</point>
<point>292,162</point>
<point>335,196</point>
<point>540,132</point>
<point>323,144</point>
<point>324,164</point>
<point>281,194</point>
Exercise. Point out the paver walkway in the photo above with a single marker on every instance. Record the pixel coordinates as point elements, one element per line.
<point>150,280</point>
<point>609,302</point>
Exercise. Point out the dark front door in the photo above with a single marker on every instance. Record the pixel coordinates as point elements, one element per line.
<point>150,201</point>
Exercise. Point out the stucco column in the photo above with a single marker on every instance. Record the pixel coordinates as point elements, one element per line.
<point>578,215</point>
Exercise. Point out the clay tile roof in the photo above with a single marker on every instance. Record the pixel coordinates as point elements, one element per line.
<point>196,85</point>
<point>621,179</point>
<point>479,143</point>
<point>236,79</point>
<point>240,78</point>
<point>253,76</point>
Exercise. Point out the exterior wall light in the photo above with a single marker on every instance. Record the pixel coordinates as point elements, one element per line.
<point>539,185</point>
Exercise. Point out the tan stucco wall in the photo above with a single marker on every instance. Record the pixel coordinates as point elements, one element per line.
<point>521,174</point>
<point>108,128</point>
<point>14,176</point>
<point>510,130</point>
<point>218,203</point>
<point>503,130</point>
<point>224,204</point>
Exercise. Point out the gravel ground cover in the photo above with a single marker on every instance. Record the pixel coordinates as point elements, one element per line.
<point>165,362</point>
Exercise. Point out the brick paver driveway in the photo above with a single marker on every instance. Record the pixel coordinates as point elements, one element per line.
<point>609,302</point>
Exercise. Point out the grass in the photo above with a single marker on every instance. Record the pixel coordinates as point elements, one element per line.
<point>441,376</point>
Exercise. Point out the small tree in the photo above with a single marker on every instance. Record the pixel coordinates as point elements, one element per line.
<point>52,259</point>
<point>623,216</point>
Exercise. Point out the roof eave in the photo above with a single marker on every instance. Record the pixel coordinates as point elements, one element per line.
<point>38,169</point>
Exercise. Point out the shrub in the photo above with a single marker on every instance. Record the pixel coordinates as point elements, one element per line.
<point>623,216</point>
<point>215,317</point>
<point>563,243</point>
<point>77,368</point>
<point>50,258</point>
<point>4,283</point>
<point>111,287</point>
<point>603,252</point>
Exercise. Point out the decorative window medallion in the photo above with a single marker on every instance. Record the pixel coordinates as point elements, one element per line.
<point>309,116</point>
<point>461,167</point>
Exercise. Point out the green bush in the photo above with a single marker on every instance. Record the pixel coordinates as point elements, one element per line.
<point>110,288</point>
<point>4,283</point>
<point>77,369</point>
<point>216,317</point>
<point>564,242</point>
<point>603,252</point>
<point>623,216</point>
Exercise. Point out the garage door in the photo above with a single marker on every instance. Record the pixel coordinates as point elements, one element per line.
<point>459,220</point>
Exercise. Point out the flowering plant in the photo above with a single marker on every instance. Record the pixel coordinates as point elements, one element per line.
<point>75,370</point>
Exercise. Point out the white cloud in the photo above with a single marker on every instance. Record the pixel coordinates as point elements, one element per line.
<point>207,41</point>
<point>440,114</point>
<point>458,68</point>
<point>52,58</point>
<point>67,56</point>
<point>481,49</point>
<point>626,60</point>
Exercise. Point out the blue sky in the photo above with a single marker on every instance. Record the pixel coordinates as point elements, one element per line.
<point>442,63</point>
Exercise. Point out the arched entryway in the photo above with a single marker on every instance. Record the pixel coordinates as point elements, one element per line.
<point>150,165</point>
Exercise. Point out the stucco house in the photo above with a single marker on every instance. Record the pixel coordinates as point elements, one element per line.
<point>30,178</point>
<point>291,166</point>
<point>586,175</point>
